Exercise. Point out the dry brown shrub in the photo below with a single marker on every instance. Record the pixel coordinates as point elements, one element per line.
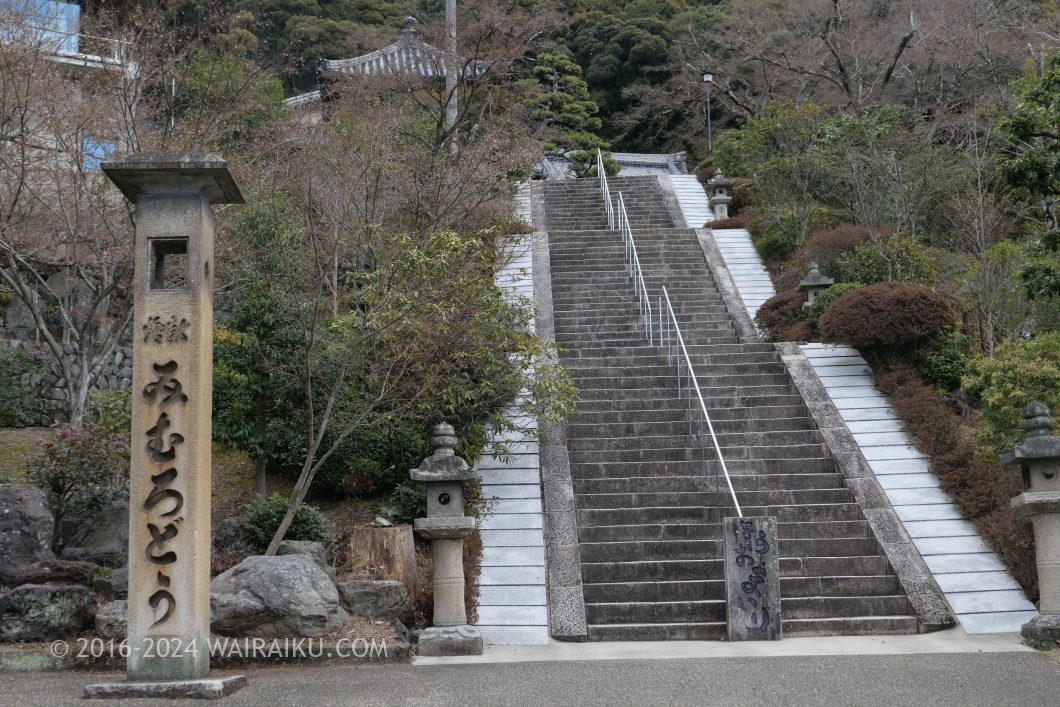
<point>887,318</point>
<point>781,315</point>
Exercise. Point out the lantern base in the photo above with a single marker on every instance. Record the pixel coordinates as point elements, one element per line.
<point>1042,631</point>
<point>450,640</point>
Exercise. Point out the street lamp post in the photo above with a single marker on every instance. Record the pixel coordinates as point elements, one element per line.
<point>708,79</point>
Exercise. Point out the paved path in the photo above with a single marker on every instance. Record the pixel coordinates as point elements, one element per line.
<point>512,606</point>
<point>965,680</point>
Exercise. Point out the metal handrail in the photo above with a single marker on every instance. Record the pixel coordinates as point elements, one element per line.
<point>635,269</point>
<point>604,190</point>
<point>682,356</point>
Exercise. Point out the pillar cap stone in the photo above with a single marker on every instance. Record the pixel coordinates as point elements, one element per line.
<point>170,172</point>
<point>443,465</point>
<point>720,180</point>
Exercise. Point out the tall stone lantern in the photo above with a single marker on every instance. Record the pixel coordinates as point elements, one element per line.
<point>1038,458</point>
<point>446,526</point>
<point>720,186</point>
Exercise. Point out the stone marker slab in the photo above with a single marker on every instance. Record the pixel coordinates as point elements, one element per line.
<point>752,579</point>
<point>205,689</point>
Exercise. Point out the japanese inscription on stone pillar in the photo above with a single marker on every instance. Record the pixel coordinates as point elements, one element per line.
<point>169,489</point>
<point>752,579</point>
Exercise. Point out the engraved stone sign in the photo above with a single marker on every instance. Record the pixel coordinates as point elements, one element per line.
<point>752,578</point>
<point>169,489</point>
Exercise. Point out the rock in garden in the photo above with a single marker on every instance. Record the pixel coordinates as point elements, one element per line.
<point>56,572</point>
<point>230,535</point>
<point>385,599</point>
<point>26,523</point>
<point>104,536</point>
<point>275,597</point>
<point>115,585</point>
<point>45,612</point>
<point>112,620</point>
<point>307,547</point>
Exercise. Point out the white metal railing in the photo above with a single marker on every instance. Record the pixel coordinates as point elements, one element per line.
<point>635,270</point>
<point>675,349</point>
<point>604,190</point>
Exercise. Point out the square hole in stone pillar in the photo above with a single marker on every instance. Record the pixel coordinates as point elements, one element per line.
<point>169,263</point>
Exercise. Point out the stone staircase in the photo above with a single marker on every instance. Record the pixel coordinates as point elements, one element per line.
<point>647,508</point>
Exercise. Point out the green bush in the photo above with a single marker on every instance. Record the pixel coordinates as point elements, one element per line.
<point>777,237</point>
<point>888,318</point>
<point>892,260</point>
<point>18,402</point>
<point>264,517</point>
<point>949,364</point>
<point>80,469</point>
<point>111,410</point>
<point>824,300</point>
<point>1019,372</point>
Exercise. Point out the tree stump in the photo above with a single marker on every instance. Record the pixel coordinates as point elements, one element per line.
<point>388,552</point>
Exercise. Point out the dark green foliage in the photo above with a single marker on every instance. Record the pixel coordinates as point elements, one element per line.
<point>823,300</point>
<point>949,364</point>
<point>782,317</point>
<point>1020,371</point>
<point>18,402</point>
<point>777,237</point>
<point>80,469</point>
<point>979,485</point>
<point>888,318</point>
<point>111,410</point>
<point>406,503</point>
<point>263,519</point>
<point>559,102</point>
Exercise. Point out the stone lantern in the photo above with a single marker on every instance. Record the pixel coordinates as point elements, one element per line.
<point>1038,458</point>
<point>813,283</point>
<point>446,526</point>
<point>719,195</point>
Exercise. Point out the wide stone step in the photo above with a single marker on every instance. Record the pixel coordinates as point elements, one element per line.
<point>741,396</point>
<point>643,421</point>
<point>652,571</point>
<point>658,632</point>
<point>645,499</point>
<point>711,330</point>
<point>675,422</point>
<point>655,612</point>
<point>828,567</point>
<point>825,529</point>
<point>633,550</point>
<point>850,626</point>
<point>691,590</point>
<point>601,469</point>
<point>857,586</point>
<point>807,513</point>
<point>589,517</point>
<point>834,607</point>
<point>649,531</point>
<point>696,453</point>
<point>740,441</point>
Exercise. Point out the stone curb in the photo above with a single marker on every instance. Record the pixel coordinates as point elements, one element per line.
<point>925,596</point>
<point>38,658</point>
<point>566,599</point>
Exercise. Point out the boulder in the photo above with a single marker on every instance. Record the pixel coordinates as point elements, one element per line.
<point>26,523</point>
<point>385,599</point>
<point>112,620</point>
<point>103,537</point>
<point>45,612</point>
<point>115,585</point>
<point>307,547</point>
<point>56,572</point>
<point>275,597</point>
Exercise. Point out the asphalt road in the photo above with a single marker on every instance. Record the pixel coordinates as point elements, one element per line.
<point>996,679</point>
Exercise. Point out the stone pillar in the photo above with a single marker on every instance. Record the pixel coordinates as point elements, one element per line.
<point>169,488</point>
<point>446,526</point>
<point>1038,458</point>
<point>752,579</point>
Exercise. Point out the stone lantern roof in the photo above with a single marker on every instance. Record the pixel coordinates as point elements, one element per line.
<point>720,180</point>
<point>814,280</point>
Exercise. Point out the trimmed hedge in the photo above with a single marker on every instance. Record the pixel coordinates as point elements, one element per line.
<point>782,318</point>
<point>888,318</point>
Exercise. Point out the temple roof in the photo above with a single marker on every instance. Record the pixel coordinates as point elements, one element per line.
<point>408,55</point>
